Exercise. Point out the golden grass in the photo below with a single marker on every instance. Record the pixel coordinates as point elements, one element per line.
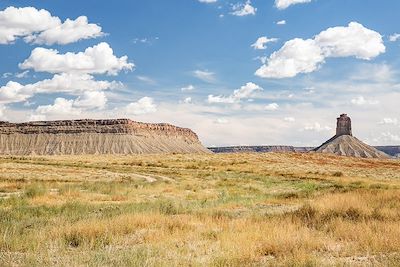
<point>274,209</point>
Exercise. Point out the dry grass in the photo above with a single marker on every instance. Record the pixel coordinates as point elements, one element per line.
<point>214,210</point>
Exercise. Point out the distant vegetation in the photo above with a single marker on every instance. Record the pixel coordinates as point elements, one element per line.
<point>287,209</point>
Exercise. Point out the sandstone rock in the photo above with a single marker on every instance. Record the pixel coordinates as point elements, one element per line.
<point>120,136</point>
<point>345,144</point>
<point>343,126</point>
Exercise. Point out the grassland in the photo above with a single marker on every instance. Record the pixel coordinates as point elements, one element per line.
<point>270,209</point>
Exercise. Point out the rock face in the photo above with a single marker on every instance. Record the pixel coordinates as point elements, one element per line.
<point>345,144</point>
<point>120,136</point>
<point>343,125</point>
<point>251,149</point>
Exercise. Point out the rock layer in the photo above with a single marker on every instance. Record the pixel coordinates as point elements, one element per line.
<point>74,137</point>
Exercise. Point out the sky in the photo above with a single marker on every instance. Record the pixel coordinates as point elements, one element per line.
<point>237,72</point>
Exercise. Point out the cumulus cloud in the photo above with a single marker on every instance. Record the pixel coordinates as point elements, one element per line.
<point>272,107</point>
<point>262,42</point>
<point>143,106</point>
<point>91,100</point>
<point>316,127</point>
<point>39,26</point>
<point>362,101</point>
<point>245,91</point>
<point>283,4</point>
<point>187,100</point>
<point>204,75</point>
<point>281,22</point>
<point>296,56</point>
<point>394,37</point>
<point>14,92</point>
<point>207,1</point>
<point>353,40</point>
<point>305,56</point>
<point>98,59</point>
<point>243,9</point>
<point>61,106</point>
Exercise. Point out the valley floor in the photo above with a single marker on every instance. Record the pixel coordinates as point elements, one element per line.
<point>272,209</point>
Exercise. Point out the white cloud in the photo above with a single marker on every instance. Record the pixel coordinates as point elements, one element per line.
<point>389,137</point>
<point>97,59</point>
<point>221,121</point>
<point>296,56</point>
<point>37,117</point>
<point>316,127</point>
<point>146,79</point>
<point>2,115</point>
<point>374,72</point>
<point>39,26</point>
<point>394,37</point>
<point>281,22</point>
<point>142,106</point>
<point>289,119</point>
<point>245,91</point>
<point>190,87</point>
<point>243,9</point>
<point>283,4</point>
<point>67,83</point>
<point>187,100</point>
<point>204,75</point>
<point>305,56</point>
<point>361,101</point>
<point>392,121</point>
<point>272,107</point>
<point>61,106</point>
<point>353,40</point>
<point>21,75</point>
<point>91,100</point>
<point>207,1</point>
<point>261,42</point>
<point>69,32</point>
<point>6,75</point>
<point>64,107</point>
<point>14,92</point>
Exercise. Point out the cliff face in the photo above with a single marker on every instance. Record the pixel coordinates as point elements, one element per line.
<point>121,136</point>
<point>250,149</point>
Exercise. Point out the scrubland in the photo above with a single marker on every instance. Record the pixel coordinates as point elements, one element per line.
<point>273,209</point>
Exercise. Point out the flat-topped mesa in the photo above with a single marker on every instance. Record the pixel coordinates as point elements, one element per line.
<point>115,126</point>
<point>116,136</point>
<point>343,126</point>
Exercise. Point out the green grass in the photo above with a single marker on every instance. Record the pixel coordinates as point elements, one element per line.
<point>199,210</point>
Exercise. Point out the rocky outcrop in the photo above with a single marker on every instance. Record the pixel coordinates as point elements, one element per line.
<point>343,125</point>
<point>393,151</point>
<point>120,136</point>
<point>249,149</point>
<point>345,144</point>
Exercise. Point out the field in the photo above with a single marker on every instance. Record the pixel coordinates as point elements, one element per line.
<point>274,209</point>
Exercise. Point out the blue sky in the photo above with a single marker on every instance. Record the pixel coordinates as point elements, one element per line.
<point>197,64</point>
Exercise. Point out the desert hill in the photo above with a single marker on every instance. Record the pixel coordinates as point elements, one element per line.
<point>75,137</point>
<point>345,144</point>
